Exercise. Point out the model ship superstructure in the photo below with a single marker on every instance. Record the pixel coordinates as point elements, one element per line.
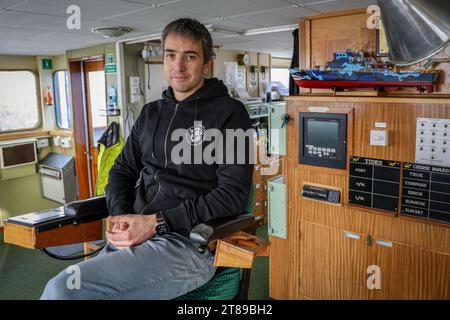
<point>353,70</point>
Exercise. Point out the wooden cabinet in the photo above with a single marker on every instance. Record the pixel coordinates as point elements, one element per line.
<point>338,264</point>
<point>331,250</point>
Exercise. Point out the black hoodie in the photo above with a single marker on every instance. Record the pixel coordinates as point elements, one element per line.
<point>144,179</point>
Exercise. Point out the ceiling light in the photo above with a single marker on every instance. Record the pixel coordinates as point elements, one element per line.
<point>111,32</point>
<point>252,32</point>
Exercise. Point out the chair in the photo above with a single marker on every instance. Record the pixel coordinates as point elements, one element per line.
<point>228,282</point>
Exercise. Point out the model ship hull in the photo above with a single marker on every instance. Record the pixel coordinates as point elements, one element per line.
<point>346,80</point>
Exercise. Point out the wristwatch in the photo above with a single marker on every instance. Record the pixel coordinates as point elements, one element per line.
<point>161,225</point>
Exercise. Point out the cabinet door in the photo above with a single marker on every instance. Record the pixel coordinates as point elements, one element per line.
<point>332,263</point>
<point>409,272</point>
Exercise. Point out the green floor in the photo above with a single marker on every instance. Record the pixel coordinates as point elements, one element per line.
<point>24,272</point>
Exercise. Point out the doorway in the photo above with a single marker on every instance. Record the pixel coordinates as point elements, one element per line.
<point>90,120</point>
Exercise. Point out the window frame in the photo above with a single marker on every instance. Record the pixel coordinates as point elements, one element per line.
<point>38,101</point>
<point>68,100</point>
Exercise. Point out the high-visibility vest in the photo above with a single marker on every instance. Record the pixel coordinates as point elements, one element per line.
<point>110,145</point>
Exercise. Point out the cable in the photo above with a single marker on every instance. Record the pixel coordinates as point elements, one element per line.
<point>58,257</point>
<point>136,72</point>
<point>148,73</point>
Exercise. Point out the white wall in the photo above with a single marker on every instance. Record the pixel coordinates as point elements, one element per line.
<point>158,82</point>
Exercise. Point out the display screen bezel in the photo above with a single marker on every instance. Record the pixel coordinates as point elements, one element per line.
<point>340,160</point>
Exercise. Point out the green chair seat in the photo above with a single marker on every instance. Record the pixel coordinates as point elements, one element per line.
<point>226,282</point>
<point>223,286</point>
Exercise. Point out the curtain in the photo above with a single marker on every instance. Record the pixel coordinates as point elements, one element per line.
<point>293,88</point>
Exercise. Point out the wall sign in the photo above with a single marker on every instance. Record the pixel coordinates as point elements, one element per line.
<point>47,64</point>
<point>374,183</point>
<point>426,192</point>
<point>110,68</point>
<point>433,141</point>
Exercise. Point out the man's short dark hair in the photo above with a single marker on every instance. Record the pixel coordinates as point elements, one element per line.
<point>194,30</point>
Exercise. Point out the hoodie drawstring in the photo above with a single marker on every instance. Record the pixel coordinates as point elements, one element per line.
<point>154,128</point>
<point>195,110</point>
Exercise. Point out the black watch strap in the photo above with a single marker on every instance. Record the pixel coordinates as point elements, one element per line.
<point>161,225</point>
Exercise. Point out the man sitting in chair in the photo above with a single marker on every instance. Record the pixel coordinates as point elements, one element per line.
<point>157,192</point>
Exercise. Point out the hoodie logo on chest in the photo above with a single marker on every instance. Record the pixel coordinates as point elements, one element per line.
<point>195,134</point>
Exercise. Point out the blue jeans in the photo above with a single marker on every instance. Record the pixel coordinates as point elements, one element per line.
<point>163,267</point>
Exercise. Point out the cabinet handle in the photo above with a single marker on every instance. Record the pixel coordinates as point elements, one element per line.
<point>258,185</point>
<point>257,204</point>
<point>384,243</point>
<point>351,235</point>
<point>257,168</point>
<point>265,187</point>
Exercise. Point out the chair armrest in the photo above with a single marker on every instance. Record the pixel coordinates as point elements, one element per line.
<point>221,227</point>
<point>87,210</point>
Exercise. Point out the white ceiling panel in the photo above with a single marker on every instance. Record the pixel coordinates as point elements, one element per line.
<point>280,44</point>
<point>89,9</point>
<point>67,37</point>
<point>233,25</point>
<point>227,8</point>
<point>337,5</point>
<point>151,18</point>
<point>39,26</point>
<point>37,21</point>
<point>9,3</point>
<point>18,33</point>
<point>284,16</point>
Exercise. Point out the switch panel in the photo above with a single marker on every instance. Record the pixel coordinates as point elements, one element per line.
<point>41,143</point>
<point>433,141</point>
<point>378,138</point>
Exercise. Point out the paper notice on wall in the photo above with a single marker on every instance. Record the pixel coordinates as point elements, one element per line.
<point>243,94</point>
<point>231,74</point>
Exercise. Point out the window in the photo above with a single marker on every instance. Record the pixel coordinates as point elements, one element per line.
<point>61,83</point>
<point>18,101</point>
<point>280,75</point>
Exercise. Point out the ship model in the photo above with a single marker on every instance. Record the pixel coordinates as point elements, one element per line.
<point>351,70</point>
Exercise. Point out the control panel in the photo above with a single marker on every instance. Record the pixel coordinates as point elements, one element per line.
<point>433,141</point>
<point>321,194</point>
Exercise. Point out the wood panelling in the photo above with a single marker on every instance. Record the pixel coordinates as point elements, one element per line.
<point>22,135</point>
<point>79,135</point>
<point>340,33</point>
<point>34,134</point>
<point>316,260</point>
<point>322,35</point>
<point>29,238</point>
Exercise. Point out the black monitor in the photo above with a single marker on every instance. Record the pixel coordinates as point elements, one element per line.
<point>323,139</point>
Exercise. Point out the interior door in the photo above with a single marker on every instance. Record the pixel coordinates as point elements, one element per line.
<point>97,122</point>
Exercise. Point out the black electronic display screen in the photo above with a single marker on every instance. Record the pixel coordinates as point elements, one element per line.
<point>18,154</point>
<point>323,134</point>
<point>323,139</point>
